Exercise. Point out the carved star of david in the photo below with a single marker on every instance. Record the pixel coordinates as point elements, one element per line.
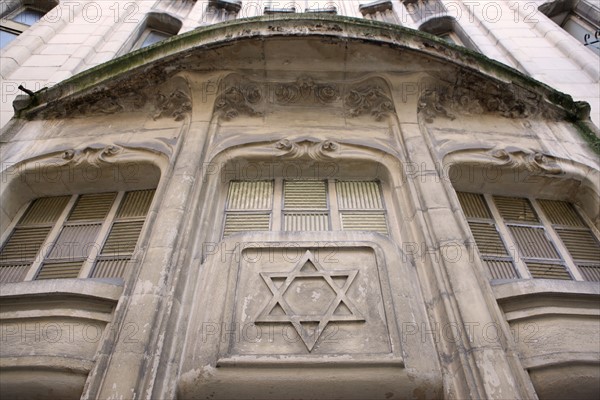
<point>278,310</point>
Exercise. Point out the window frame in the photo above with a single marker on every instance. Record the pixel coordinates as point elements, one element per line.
<point>334,212</point>
<point>139,43</point>
<point>581,12</point>
<point>508,239</point>
<point>8,24</point>
<point>89,261</point>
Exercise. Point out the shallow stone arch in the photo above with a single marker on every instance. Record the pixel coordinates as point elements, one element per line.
<point>519,171</point>
<point>90,168</point>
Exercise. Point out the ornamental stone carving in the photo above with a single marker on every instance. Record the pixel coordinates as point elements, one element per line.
<point>316,151</point>
<point>472,95</point>
<point>369,98</point>
<point>514,158</point>
<point>239,100</point>
<point>174,105</point>
<point>169,102</point>
<point>97,155</point>
<point>240,96</point>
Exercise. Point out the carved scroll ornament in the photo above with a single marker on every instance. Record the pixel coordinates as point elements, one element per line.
<point>513,158</point>
<point>316,151</point>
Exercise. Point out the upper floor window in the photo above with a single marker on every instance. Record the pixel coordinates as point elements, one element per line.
<point>424,9</point>
<point>149,37</point>
<point>304,205</point>
<point>447,28</point>
<point>582,30</point>
<point>380,10</point>
<point>532,238</point>
<point>581,19</point>
<point>156,28</point>
<point>16,21</point>
<point>451,37</point>
<point>222,10</point>
<point>78,236</point>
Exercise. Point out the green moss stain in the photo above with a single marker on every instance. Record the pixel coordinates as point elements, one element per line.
<point>588,135</point>
<point>342,27</point>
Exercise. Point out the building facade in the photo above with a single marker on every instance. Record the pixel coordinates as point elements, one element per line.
<point>311,199</point>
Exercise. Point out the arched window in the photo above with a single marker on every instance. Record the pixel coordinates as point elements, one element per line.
<point>522,237</point>
<point>530,216</point>
<point>72,214</point>
<point>18,16</point>
<point>305,205</point>
<point>75,236</point>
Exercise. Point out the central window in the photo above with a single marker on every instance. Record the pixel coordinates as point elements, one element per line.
<point>304,205</point>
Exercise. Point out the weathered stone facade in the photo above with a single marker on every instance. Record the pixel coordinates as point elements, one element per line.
<point>391,298</point>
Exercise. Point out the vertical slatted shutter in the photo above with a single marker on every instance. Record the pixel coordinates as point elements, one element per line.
<point>119,247</point>
<point>579,240</point>
<point>305,205</point>
<point>26,240</point>
<point>92,207</point>
<point>473,205</point>
<point>493,251</point>
<point>534,246</point>
<point>361,206</point>
<point>515,209</point>
<point>488,239</point>
<point>249,205</point>
<point>78,239</point>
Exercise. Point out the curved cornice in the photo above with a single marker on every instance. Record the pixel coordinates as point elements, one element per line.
<point>156,62</point>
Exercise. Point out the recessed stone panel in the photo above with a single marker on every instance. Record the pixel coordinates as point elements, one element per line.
<point>310,302</point>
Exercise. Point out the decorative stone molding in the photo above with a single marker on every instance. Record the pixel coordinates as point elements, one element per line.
<point>369,98</point>
<point>242,96</point>
<point>513,158</point>
<point>316,151</point>
<point>239,100</point>
<point>472,95</point>
<point>175,105</point>
<point>306,90</point>
<point>533,161</point>
<point>97,155</point>
<point>161,102</point>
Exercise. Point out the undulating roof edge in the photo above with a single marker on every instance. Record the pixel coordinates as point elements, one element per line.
<point>307,25</point>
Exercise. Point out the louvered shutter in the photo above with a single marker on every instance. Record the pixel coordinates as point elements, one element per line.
<point>579,240</point>
<point>120,244</point>
<point>534,246</point>
<point>305,205</point>
<point>548,271</point>
<point>515,209</point>
<point>473,205</point>
<point>487,238</point>
<point>78,239</point>
<point>361,206</point>
<point>60,270</point>
<point>28,237</point>
<point>249,206</point>
<point>92,207</point>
